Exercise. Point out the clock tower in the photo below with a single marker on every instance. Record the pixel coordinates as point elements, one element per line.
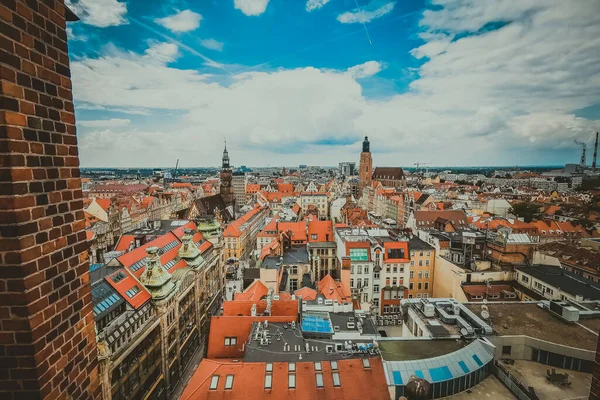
<point>226,188</point>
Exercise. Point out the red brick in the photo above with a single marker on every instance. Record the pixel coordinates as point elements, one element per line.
<point>12,90</point>
<point>12,118</point>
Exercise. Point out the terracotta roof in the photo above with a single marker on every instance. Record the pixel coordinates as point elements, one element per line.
<point>285,187</point>
<point>235,326</point>
<point>279,308</point>
<point>254,292</point>
<point>393,250</point>
<point>103,202</point>
<point>323,230</point>
<point>252,187</point>
<point>551,210</point>
<point>122,281</point>
<point>426,219</point>
<point>296,208</point>
<point>234,228</point>
<point>356,381</point>
<point>182,185</point>
<point>306,293</point>
<point>384,173</point>
<point>334,290</point>
<point>124,242</point>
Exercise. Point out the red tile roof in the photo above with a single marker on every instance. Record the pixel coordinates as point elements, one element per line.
<point>103,202</point>
<point>395,245</point>
<point>125,283</point>
<point>254,292</point>
<point>306,293</point>
<point>124,242</point>
<point>234,228</point>
<point>426,219</point>
<point>322,229</point>
<point>285,187</point>
<point>334,290</point>
<point>239,327</point>
<point>356,382</point>
<point>182,185</point>
<point>279,308</point>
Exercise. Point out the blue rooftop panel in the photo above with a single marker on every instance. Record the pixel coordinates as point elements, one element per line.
<point>440,374</point>
<point>419,374</point>
<point>397,378</point>
<point>477,360</point>
<point>464,367</point>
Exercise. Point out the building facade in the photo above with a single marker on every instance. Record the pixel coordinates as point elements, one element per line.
<point>226,185</point>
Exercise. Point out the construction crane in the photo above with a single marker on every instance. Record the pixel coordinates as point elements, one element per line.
<point>420,163</point>
<point>176,166</point>
<point>583,150</point>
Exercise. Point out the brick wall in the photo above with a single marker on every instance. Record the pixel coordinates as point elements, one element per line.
<point>47,342</point>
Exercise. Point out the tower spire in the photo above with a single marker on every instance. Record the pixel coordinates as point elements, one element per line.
<point>225,164</point>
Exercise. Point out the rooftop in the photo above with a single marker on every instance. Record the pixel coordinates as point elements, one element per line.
<point>564,280</point>
<point>293,256</point>
<point>532,320</point>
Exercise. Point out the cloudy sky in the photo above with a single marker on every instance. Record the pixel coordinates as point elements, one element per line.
<point>288,82</point>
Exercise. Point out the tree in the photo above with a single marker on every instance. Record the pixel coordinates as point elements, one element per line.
<point>527,210</point>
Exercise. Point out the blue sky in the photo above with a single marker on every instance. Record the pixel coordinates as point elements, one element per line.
<point>288,82</point>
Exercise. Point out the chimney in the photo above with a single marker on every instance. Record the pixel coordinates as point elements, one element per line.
<point>595,153</point>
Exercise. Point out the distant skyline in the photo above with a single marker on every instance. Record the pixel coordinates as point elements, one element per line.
<point>450,82</point>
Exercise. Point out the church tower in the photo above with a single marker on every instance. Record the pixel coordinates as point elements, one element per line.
<point>366,165</point>
<point>226,188</point>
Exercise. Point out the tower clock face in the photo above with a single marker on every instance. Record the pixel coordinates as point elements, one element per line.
<point>225,183</point>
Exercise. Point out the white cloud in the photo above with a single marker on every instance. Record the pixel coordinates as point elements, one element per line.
<point>251,7</point>
<point>212,44</point>
<point>312,5</point>
<point>183,21</point>
<point>105,123</point>
<point>162,52</point>
<point>476,98</point>
<point>365,70</point>
<point>366,14</point>
<point>72,37</point>
<point>100,13</point>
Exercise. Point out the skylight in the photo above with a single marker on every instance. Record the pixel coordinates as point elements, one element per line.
<point>292,381</point>
<point>228,382</point>
<point>336,379</point>
<point>214,382</point>
<point>320,383</point>
<point>268,381</point>
<point>291,367</point>
<point>334,365</point>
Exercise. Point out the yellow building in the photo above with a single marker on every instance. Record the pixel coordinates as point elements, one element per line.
<point>240,235</point>
<point>422,263</point>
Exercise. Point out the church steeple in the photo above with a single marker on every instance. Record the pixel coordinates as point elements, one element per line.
<point>225,164</point>
<point>366,145</point>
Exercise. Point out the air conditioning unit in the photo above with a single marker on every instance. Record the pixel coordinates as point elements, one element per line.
<point>429,310</point>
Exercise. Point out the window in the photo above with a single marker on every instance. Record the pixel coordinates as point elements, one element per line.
<point>359,283</point>
<point>386,309</point>
<point>376,275</point>
<point>351,282</point>
<point>412,253</point>
<point>425,295</point>
<point>426,285</point>
<point>320,382</point>
<point>133,291</point>
<point>375,288</point>
<point>386,294</point>
<point>214,382</point>
<point>420,274</point>
<point>317,366</point>
<point>412,263</point>
<point>410,296</point>
<point>427,263</point>
<point>292,381</point>
<point>352,269</point>
<point>395,269</point>
<point>412,274</point>
<point>366,270</point>
<point>421,253</point>
<point>269,367</point>
<point>293,285</point>
<point>228,382</point>
<point>525,278</point>
<point>426,274</point>
<point>313,236</point>
<point>376,302</point>
<point>411,286</point>
<point>549,291</point>
<point>359,269</point>
<point>294,270</point>
<point>336,379</point>
<point>366,363</point>
<point>268,381</point>
<point>366,282</point>
<point>420,263</point>
<point>394,281</point>
<point>506,350</point>
<point>291,367</point>
<point>334,365</point>
<point>419,286</point>
<point>418,295</point>
<point>230,341</point>
<point>428,253</point>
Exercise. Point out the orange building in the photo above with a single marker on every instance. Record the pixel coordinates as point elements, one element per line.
<point>422,263</point>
